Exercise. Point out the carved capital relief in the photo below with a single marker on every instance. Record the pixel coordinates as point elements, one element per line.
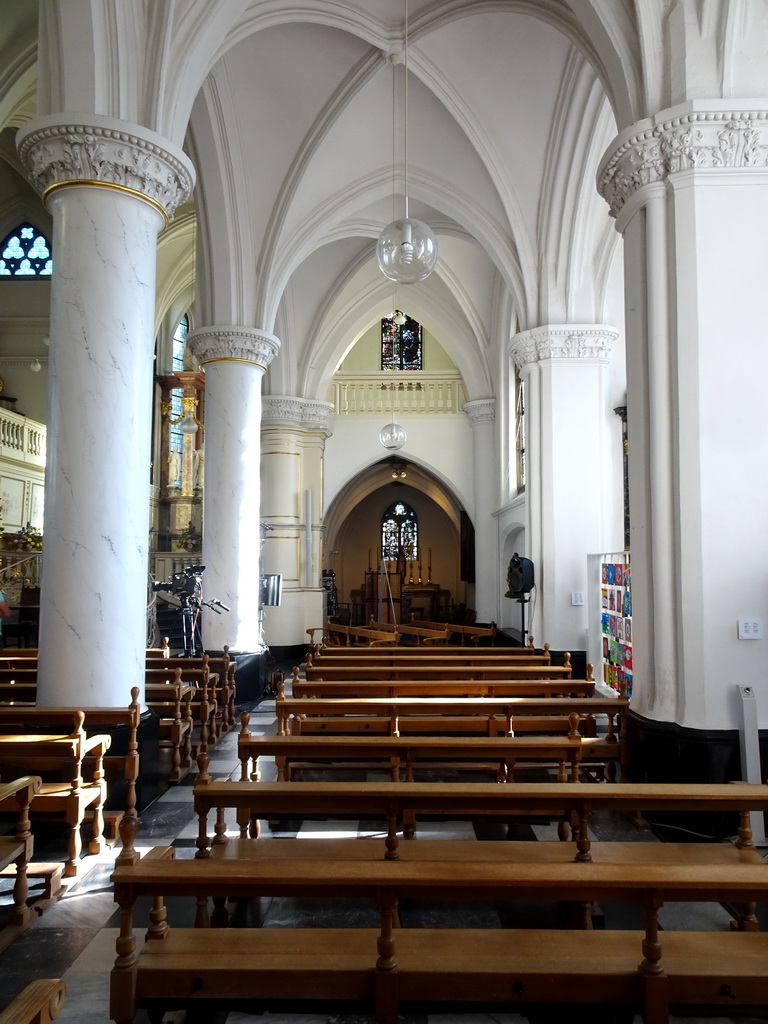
<point>481,411</point>
<point>563,342</point>
<point>295,412</point>
<point>127,158</point>
<point>233,344</point>
<point>720,140</point>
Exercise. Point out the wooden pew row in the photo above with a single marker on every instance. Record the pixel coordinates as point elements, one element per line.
<point>359,635</point>
<point>472,634</point>
<point>437,670</point>
<point>376,715</point>
<point>438,688</point>
<point>220,675</point>
<point>401,806</point>
<point>124,766</point>
<point>204,693</point>
<point>40,1002</point>
<point>172,703</point>
<point>414,635</point>
<point>448,651</point>
<point>16,849</point>
<point>499,753</point>
<point>406,656</point>
<point>326,642</point>
<point>391,968</point>
<point>69,798</point>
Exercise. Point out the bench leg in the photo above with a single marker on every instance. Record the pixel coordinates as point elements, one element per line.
<point>386,987</point>
<point>654,980</point>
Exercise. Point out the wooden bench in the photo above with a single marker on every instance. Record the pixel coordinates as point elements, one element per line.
<point>405,752</point>
<point>218,673</point>
<point>66,795</point>
<point>412,635</point>
<point>16,849</point>
<point>391,969</point>
<point>203,695</point>
<point>172,703</point>
<point>492,715</point>
<point>438,688</point>
<point>125,766</point>
<point>437,670</point>
<point>401,806</point>
<point>472,634</point>
<point>40,1002</point>
<point>355,634</point>
<point>407,656</point>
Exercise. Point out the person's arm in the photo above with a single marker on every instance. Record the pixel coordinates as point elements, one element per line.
<point>5,611</point>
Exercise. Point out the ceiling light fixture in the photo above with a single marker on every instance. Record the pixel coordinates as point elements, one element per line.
<point>398,469</point>
<point>35,366</point>
<point>406,250</point>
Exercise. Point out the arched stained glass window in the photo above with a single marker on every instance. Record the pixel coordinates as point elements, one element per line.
<point>400,344</point>
<point>25,253</point>
<point>400,533</point>
<point>176,438</point>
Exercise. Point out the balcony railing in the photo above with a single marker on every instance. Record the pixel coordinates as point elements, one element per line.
<point>22,439</point>
<point>408,393</point>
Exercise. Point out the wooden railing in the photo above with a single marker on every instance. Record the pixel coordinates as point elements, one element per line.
<point>362,394</point>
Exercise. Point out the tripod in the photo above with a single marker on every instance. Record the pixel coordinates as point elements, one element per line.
<point>189,616</point>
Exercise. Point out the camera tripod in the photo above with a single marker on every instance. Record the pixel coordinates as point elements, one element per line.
<point>189,618</point>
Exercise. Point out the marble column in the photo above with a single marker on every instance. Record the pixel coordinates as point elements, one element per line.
<point>689,190</point>
<point>293,435</point>
<point>234,360</point>
<point>110,188</point>
<point>482,416</point>
<point>569,452</point>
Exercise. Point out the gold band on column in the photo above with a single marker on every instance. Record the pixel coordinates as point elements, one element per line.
<point>91,182</point>
<point>232,359</point>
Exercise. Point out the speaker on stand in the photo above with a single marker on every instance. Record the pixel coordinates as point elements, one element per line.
<point>520,582</point>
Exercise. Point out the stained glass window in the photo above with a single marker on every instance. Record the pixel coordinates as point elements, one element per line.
<point>25,253</point>
<point>400,533</point>
<point>520,429</point>
<point>401,344</point>
<point>176,437</point>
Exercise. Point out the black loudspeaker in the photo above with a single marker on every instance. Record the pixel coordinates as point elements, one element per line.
<point>519,576</point>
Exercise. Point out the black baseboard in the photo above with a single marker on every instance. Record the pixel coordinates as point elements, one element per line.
<point>667,752</point>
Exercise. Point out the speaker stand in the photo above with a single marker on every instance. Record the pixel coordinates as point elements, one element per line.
<point>523,601</point>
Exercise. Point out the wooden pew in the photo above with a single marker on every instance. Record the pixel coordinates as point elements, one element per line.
<point>390,967</point>
<point>172,703</point>
<point>400,806</point>
<point>438,688</point>
<point>405,752</point>
<point>219,674</point>
<point>414,635</point>
<point>16,849</point>
<point>435,669</point>
<point>19,693</point>
<point>377,715</point>
<point>40,1002</point>
<point>203,697</point>
<point>357,634</point>
<point>466,634</point>
<point>47,720</point>
<point>71,796</point>
<point>401,657</point>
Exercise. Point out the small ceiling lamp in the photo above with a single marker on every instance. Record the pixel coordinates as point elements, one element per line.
<point>398,469</point>
<point>35,366</point>
<point>393,436</point>
<point>399,317</point>
<point>406,250</point>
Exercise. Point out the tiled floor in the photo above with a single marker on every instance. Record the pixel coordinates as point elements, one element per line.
<point>74,938</point>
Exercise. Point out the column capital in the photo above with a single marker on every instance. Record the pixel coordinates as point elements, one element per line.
<point>285,410</point>
<point>563,341</point>
<point>233,344</point>
<point>106,153</point>
<point>483,410</point>
<point>680,139</point>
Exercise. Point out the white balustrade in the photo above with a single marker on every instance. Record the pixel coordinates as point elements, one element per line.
<point>22,439</point>
<point>415,392</point>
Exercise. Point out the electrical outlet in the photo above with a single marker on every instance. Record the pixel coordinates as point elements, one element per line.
<point>751,629</point>
<point>577,597</point>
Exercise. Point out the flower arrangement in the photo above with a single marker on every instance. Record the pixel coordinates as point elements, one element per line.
<point>189,539</point>
<point>27,539</point>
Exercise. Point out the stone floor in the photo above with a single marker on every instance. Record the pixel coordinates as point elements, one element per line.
<point>74,937</point>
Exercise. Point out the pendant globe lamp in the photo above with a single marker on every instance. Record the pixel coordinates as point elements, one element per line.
<point>406,250</point>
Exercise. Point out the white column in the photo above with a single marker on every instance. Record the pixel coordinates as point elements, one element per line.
<point>293,435</point>
<point>482,417</point>
<point>564,367</point>
<point>110,188</point>
<point>234,360</point>
<point>689,190</point>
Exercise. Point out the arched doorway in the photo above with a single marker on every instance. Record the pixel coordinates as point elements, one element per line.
<point>430,585</point>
